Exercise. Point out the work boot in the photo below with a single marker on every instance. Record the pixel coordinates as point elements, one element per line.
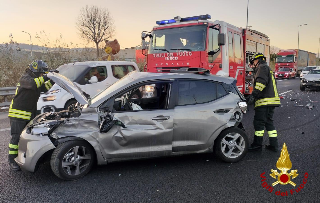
<point>257,144</point>
<point>273,144</point>
<point>14,166</point>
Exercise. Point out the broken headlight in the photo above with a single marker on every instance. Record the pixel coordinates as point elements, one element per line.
<point>43,129</point>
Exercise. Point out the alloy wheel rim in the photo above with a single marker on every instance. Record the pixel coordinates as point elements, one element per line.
<point>233,145</point>
<point>76,160</point>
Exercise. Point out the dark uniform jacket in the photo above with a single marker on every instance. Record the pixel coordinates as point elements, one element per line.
<point>265,89</point>
<point>24,103</point>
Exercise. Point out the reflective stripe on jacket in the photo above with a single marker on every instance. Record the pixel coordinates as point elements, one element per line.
<point>24,104</point>
<point>265,88</point>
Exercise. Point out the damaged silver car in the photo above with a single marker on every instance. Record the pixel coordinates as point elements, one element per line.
<point>142,115</point>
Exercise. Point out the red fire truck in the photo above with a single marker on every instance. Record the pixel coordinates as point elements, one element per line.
<point>196,41</point>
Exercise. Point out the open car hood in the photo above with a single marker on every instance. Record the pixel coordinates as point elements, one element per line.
<point>69,86</point>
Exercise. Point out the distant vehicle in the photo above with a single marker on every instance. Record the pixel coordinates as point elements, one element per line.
<point>92,76</point>
<point>311,80</point>
<point>285,73</point>
<point>295,59</point>
<point>306,70</point>
<point>143,115</point>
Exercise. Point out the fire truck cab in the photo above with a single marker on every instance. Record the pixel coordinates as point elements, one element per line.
<point>195,41</point>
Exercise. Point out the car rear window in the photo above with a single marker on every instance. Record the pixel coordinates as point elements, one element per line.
<point>199,91</point>
<point>119,71</point>
<point>72,72</point>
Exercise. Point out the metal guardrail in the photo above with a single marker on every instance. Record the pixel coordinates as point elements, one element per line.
<point>7,91</point>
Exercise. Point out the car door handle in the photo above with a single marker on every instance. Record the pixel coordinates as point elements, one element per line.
<point>161,118</point>
<point>221,111</point>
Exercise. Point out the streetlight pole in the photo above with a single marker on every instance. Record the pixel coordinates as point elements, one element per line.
<point>247,15</point>
<point>318,53</point>
<point>298,33</point>
<point>30,40</point>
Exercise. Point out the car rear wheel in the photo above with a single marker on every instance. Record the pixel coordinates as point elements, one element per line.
<point>231,145</point>
<point>72,160</point>
<point>70,103</point>
<point>302,88</point>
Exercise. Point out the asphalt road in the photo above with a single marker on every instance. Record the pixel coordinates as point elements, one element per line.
<point>191,178</point>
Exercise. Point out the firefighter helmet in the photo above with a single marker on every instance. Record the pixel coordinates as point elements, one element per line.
<point>259,56</point>
<point>38,66</point>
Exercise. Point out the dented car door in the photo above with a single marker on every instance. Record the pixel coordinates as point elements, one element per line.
<point>144,133</point>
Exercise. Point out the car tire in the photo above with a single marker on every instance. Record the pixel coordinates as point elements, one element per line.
<point>69,103</point>
<point>72,160</point>
<point>234,141</point>
<point>302,88</point>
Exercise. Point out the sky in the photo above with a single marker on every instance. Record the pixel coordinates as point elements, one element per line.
<point>279,19</point>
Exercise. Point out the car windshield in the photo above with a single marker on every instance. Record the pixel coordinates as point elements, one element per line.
<point>122,82</point>
<point>285,59</point>
<point>284,69</point>
<point>72,72</point>
<point>190,38</point>
<point>308,68</point>
<point>314,72</point>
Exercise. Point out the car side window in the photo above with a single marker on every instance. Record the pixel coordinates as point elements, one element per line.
<point>196,92</point>
<point>150,96</point>
<point>119,71</point>
<point>100,72</point>
<point>221,92</point>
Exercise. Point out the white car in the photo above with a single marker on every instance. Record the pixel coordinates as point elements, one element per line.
<point>306,70</point>
<point>91,76</point>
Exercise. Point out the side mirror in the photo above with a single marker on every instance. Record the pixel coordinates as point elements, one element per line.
<point>143,35</point>
<point>221,39</point>
<point>144,44</point>
<point>93,79</point>
<point>243,106</point>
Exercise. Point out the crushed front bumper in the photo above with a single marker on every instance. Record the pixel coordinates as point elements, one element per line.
<point>31,149</point>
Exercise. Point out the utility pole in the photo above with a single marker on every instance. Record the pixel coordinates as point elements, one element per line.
<point>247,15</point>
<point>30,41</point>
<point>298,33</point>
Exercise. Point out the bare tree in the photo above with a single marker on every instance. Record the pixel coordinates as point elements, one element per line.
<point>95,24</point>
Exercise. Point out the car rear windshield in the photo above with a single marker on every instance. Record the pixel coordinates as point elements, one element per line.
<point>314,72</point>
<point>309,68</point>
<point>72,72</point>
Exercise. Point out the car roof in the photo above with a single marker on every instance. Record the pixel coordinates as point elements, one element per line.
<point>139,77</point>
<point>144,76</point>
<point>103,63</point>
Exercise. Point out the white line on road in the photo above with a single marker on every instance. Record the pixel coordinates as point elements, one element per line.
<point>5,129</point>
<point>285,92</point>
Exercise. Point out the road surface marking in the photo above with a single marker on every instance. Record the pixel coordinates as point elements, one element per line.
<point>285,92</point>
<point>5,129</point>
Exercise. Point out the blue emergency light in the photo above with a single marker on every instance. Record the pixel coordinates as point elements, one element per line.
<point>179,19</point>
<point>163,22</point>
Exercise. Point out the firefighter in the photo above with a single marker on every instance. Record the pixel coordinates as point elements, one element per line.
<point>23,107</point>
<point>265,98</point>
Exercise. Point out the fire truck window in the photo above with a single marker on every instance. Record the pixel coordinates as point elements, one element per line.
<point>230,44</point>
<point>196,92</point>
<point>237,46</point>
<point>191,38</point>
<point>213,40</point>
<point>159,41</point>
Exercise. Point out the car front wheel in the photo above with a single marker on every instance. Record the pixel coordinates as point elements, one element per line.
<point>72,160</point>
<point>231,145</point>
